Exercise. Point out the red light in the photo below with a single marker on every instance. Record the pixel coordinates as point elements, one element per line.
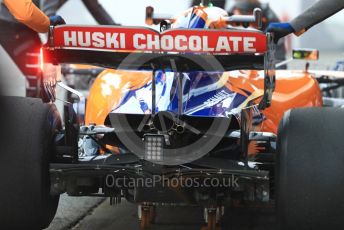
<point>41,59</point>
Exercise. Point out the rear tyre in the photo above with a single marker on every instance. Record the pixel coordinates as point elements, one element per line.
<point>310,169</point>
<point>25,154</point>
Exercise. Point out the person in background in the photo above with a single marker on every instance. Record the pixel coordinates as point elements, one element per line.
<point>246,7</point>
<point>317,13</point>
<point>20,23</point>
<point>26,12</point>
<point>50,7</point>
<point>218,3</point>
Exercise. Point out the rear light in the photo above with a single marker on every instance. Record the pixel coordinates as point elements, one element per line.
<point>51,75</point>
<point>41,59</point>
<point>154,147</point>
<point>50,72</point>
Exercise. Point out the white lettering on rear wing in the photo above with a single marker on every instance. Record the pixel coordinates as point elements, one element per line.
<point>131,39</point>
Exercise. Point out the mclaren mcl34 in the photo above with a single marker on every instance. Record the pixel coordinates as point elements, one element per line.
<point>193,114</point>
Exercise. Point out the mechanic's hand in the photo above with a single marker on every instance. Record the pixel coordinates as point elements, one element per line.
<point>280,30</point>
<point>56,20</point>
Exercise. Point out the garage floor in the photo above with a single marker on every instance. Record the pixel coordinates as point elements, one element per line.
<point>94,213</point>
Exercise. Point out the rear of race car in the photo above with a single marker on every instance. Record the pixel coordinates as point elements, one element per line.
<point>181,116</point>
<point>170,108</point>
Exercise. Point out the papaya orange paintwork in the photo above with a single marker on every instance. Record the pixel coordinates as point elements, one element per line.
<point>293,89</point>
<point>27,13</point>
<point>108,90</point>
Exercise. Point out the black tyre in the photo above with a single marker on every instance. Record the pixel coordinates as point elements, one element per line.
<point>26,147</point>
<point>310,169</point>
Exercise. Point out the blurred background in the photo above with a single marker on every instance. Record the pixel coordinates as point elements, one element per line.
<point>327,36</point>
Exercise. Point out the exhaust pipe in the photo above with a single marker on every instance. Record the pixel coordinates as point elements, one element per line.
<point>180,129</point>
<point>146,128</point>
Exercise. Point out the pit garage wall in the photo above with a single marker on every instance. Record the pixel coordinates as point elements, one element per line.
<point>331,29</point>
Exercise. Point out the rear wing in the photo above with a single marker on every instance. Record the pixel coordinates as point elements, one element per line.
<point>117,47</point>
<point>179,50</point>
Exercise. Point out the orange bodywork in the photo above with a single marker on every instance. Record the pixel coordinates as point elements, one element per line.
<point>27,13</point>
<point>109,89</point>
<point>293,89</point>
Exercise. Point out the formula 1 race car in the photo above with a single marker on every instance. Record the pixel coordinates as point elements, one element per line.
<point>194,114</point>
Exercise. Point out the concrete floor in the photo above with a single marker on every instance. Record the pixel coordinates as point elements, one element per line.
<point>91,213</point>
<point>71,210</point>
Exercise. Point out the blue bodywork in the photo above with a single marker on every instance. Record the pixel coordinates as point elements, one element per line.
<point>204,94</point>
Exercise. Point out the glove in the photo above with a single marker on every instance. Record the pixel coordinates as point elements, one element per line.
<point>56,20</point>
<point>280,30</point>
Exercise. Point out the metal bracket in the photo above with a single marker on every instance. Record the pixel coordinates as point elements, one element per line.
<point>80,96</point>
<point>245,128</point>
<point>51,36</point>
<point>256,17</point>
<point>269,73</point>
<point>154,92</point>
